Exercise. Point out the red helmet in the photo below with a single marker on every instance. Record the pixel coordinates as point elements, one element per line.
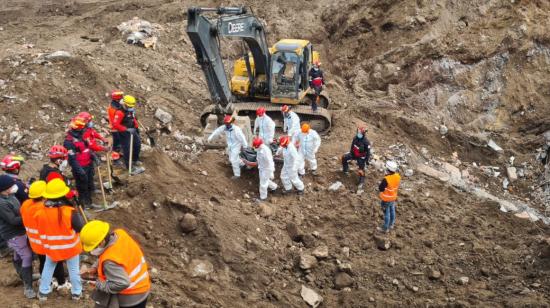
<point>260,111</point>
<point>11,162</point>
<point>284,141</point>
<point>257,142</point>
<point>227,119</point>
<point>58,151</point>
<point>77,123</point>
<point>362,129</point>
<point>285,108</point>
<point>86,116</point>
<point>117,95</point>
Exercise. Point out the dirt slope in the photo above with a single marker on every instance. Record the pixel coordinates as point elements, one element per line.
<point>405,67</point>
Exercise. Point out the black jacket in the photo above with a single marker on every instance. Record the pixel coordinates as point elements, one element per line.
<point>11,224</point>
<point>47,169</point>
<point>77,221</point>
<point>360,148</point>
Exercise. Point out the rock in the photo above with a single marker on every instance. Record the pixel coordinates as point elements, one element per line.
<point>505,183</point>
<point>10,279</point>
<point>453,171</point>
<point>294,233</point>
<point>308,240</point>
<point>188,223</point>
<point>382,243</point>
<point>335,186</point>
<point>395,282</point>
<point>265,210</point>
<point>154,273</point>
<point>391,262</point>
<point>443,129</point>
<point>345,252</point>
<point>163,116</point>
<point>463,280</point>
<point>307,262</point>
<point>345,267</point>
<point>409,172</point>
<point>204,172</point>
<point>311,297</point>
<point>321,252</point>
<point>59,55</point>
<point>512,174</point>
<point>491,144</point>
<point>434,275</point>
<point>200,268</point>
<point>342,280</point>
<point>523,215</point>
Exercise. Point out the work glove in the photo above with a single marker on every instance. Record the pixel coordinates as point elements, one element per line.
<point>96,160</point>
<point>131,130</point>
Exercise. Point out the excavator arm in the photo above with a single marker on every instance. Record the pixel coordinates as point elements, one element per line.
<point>234,22</point>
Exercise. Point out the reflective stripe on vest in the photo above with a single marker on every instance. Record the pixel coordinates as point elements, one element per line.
<point>126,253</point>
<point>390,193</point>
<point>60,241</point>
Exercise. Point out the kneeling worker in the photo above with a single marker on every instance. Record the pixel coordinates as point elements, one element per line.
<point>123,278</point>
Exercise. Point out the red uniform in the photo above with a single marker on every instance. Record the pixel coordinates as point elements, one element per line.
<point>91,136</point>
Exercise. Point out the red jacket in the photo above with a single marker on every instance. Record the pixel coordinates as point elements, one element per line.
<point>123,120</point>
<point>91,136</point>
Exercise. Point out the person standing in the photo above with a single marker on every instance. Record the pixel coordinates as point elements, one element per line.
<point>316,82</point>
<point>11,165</point>
<point>58,163</point>
<point>360,152</point>
<point>126,124</point>
<point>92,136</point>
<point>291,122</point>
<point>114,106</point>
<point>13,231</point>
<point>308,141</point>
<point>265,126</point>
<point>388,195</point>
<point>266,167</point>
<point>123,277</point>
<point>289,172</point>
<point>59,224</point>
<point>235,142</point>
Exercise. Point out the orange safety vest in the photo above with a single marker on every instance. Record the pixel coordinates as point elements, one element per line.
<point>60,240</point>
<point>390,193</point>
<point>28,209</point>
<point>111,113</point>
<point>127,253</point>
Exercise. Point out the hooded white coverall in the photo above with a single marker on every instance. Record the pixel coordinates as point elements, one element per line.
<point>235,141</point>
<point>266,168</point>
<point>291,124</point>
<point>265,127</point>
<point>289,173</point>
<point>309,144</point>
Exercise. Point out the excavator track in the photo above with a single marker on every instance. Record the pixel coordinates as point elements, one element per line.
<point>320,120</point>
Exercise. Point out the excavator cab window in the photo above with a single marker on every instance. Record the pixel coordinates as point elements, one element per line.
<point>285,74</point>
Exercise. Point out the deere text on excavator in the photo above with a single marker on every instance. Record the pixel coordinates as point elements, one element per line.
<point>263,76</point>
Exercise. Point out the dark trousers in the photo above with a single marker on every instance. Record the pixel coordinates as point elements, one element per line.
<point>58,273</point>
<point>140,305</point>
<point>117,147</point>
<point>125,141</point>
<point>361,162</point>
<point>85,184</point>
<point>317,93</point>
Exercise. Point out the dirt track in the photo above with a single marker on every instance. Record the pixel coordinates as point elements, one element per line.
<point>405,67</point>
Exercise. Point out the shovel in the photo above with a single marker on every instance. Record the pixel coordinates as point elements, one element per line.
<point>109,171</point>
<point>149,133</point>
<point>106,207</point>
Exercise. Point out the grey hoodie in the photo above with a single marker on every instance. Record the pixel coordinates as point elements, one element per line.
<point>11,224</point>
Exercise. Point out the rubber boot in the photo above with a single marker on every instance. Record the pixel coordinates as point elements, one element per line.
<point>360,188</point>
<point>26,275</point>
<point>17,266</point>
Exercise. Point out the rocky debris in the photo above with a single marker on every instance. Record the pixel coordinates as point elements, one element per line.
<point>311,297</point>
<point>505,183</point>
<point>293,232</point>
<point>265,210</point>
<point>335,186</point>
<point>307,262</point>
<point>344,267</point>
<point>443,129</point>
<point>383,243</point>
<point>434,274</point>
<point>321,252</point>
<point>453,171</point>
<point>188,223</point>
<point>204,172</point>
<point>512,174</point>
<point>395,282</point>
<point>140,32</point>
<point>58,55</point>
<point>345,252</point>
<point>463,280</point>
<point>342,280</point>
<point>163,116</point>
<point>493,146</point>
<point>200,268</point>
<point>409,172</point>
<point>10,279</point>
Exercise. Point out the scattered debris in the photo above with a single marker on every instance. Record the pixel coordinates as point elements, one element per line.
<point>463,280</point>
<point>434,275</point>
<point>321,252</point>
<point>200,268</point>
<point>443,129</point>
<point>512,174</point>
<point>188,223</point>
<point>140,32</point>
<point>382,243</point>
<point>335,186</point>
<point>307,262</point>
<point>163,116</point>
<point>58,55</point>
<point>491,144</point>
<point>342,280</point>
<point>265,210</point>
<point>311,297</point>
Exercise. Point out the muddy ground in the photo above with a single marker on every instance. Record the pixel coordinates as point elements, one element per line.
<point>406,68</point>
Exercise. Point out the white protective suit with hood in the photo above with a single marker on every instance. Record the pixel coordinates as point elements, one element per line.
<point>289,172</point>
<point>291,124</point>
<point>265,127</point>
<point>266,168</point>
<point>309,144</point>
<point>235,141</point>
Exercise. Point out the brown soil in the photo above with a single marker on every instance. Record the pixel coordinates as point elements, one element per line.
<point>405,67</point>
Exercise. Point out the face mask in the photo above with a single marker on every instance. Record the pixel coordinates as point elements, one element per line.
<point>14,189</point>
<point>229,127</point>
<point>63,165</point>
<point>131,109</point>
<point>90,124</point>
<point>97,252</point>
<point>359,135</point>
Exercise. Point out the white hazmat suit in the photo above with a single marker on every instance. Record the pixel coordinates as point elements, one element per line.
<point>266,168</point>
<point>291,124</point>
<point>289,173</point>
<point>265,127</point>
<point>235,141</point>
<point>309,144</point>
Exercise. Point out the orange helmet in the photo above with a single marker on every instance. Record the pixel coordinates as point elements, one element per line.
<point>117,95</point>
<point>58,151</point>
<point>260,111</point>
<point>285,108</point>
<point>257,142</point>
<point>11,162</point>
<point>86,116</point>
<point>284,141</point>
<point>77,123</point>
<point>305,128</point>
<point>228,119</point>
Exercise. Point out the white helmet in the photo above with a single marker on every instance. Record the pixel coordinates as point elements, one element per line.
<point>391,165</point>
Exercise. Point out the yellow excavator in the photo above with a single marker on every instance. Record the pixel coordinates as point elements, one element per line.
<point>263,76</point>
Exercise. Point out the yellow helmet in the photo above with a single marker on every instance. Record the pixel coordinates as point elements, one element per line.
<point>56,188</point>
<point>36,189</point>
<point>93,233</point>
<point>129,101</point>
